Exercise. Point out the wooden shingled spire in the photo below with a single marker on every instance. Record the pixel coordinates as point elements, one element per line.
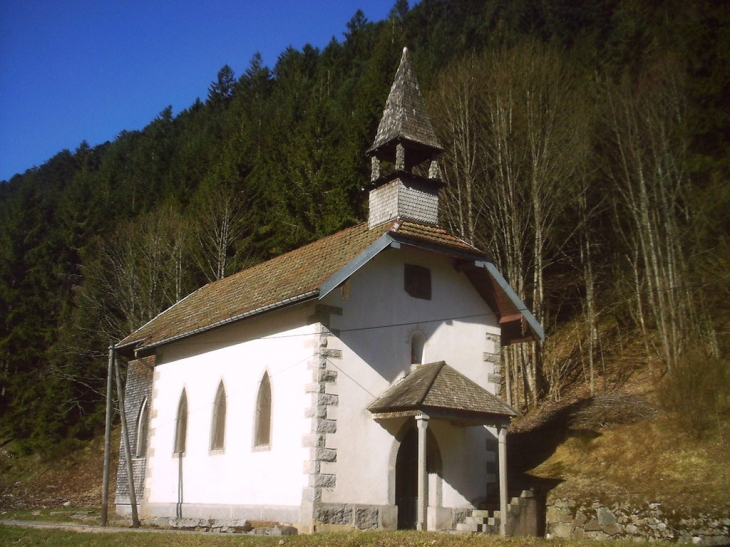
<point>405,135</point>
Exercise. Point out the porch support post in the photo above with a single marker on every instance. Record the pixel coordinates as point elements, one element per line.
<point>502,437</point>
<point>422,423</point>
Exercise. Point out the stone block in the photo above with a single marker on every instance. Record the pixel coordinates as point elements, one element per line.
<point>315,440</point>
<point>325,481</point>
<point>311,468</point>
<point>326,426</point>
<point>327,375</point>
<point>327,399</point>
<point>366,518</point>
<point>612,528</point>
<point>314,388</point>
<point>592,526</point>
<point>326,454</point>
<point>328,468</point>
<point>334,515</point>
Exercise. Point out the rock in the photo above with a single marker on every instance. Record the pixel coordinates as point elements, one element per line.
<point>580,519</point>
<point>235,526</point>
<point>189,524</point>
<point>283,531</point>
<point>562,530</point>
<point>605,516</point>
<point>592,526</point>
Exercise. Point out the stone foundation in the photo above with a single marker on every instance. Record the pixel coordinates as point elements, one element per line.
<point>574,520</point>
<point>333,516</point>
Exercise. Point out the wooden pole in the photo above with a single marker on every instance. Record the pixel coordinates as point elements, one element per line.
<point>127,451</point>
<point>107,439</point>
<point>502,437</point>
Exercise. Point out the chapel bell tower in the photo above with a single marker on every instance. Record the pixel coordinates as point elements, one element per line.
<point>405,140</point>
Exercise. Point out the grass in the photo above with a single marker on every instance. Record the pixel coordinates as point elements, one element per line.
<point>11,535</point>
<point>651,460</point>
<point>67,515</point>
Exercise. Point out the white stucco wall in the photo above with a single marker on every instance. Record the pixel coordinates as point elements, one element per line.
<point>375,328</point>
<point>239,475</point>
<point>370,351</point>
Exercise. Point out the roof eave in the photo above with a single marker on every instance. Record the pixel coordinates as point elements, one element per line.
<point>141,349</point>
<point>458,417</point>
<point>530,321</point>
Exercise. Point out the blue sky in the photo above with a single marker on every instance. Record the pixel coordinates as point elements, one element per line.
<point>75,70</point>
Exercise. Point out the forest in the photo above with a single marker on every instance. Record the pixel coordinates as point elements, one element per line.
<point>587,150</point>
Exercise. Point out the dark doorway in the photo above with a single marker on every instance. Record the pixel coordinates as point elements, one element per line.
<point>406,475</point>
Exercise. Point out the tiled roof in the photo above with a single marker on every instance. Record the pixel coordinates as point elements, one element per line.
<point>439,387</point>
<point>291,277</point>
<point>431,234</point>
<point>405,115</point>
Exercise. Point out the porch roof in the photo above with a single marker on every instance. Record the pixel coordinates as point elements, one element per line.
<point>441,392</point>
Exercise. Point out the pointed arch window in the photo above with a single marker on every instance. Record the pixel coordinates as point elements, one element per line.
<point>262,430</point>
<point>140,450</point>
<point>181,424</point>
<point>218,428</point>
<point>418,342</point>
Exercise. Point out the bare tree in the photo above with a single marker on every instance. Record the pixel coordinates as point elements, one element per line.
<point>220,226</point>
<point>648,138</point>
<point>141,271</point>
<point>517,130</point>
<point>458,112</point>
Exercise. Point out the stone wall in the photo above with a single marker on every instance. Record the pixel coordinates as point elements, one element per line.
<point>570,519</point>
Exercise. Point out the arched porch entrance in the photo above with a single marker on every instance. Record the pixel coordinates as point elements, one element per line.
<point>436,391</point>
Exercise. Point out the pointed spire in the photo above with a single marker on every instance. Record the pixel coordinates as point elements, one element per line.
<point>405,135</point>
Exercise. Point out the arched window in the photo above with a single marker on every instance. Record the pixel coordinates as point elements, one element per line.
<point>181,424</point>
<point>418,342</point>
<point>263,414</point>
<point>142,430</point>
<point>218,428</point>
